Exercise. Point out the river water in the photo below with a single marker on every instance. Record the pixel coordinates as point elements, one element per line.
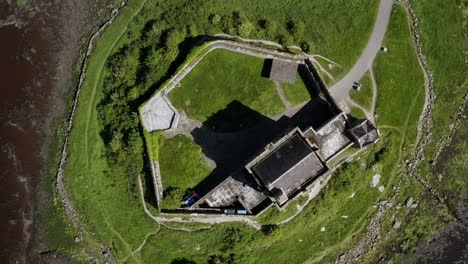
<point>25,85</point>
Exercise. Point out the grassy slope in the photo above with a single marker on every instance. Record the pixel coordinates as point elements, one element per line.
<point>224,76</point>
<point>400,100</point>
<point>364,96</point>
<point>296,93</point>
<point>443,41</point>
<point>444,46</point>
<point>102,198</point>
<point>153,141</point>
<point>329,27</point>
<point>399,80</point>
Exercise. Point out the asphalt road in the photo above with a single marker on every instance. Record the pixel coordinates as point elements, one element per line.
<point>341,89</point>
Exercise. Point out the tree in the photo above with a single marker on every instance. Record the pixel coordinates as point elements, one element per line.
<point>245,29</point>
<point>284,40</point>
<point>305,46</point>
<point>214,19</point>
<point>295,27</point>
<point>264,24</point>
<point>173,38</point>
<point>172,197</point>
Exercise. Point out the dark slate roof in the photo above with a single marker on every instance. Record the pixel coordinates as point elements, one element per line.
<point>289,165</point>
<point>305,170</point>
<point>365,133</point>
<point>283,71</point>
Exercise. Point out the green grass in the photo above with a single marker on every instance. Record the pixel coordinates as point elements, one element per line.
<point>357,113</point>
<point>153,141</point>
<point>400,82</point>
<point>444,46</point>
<point>284,243</point>
<point>399,103</point>
<point>99,197</point>
<point>183,166</point>
<point>296,93</point>
<point>336,71</point>
<point>364,96</point>
<point>328,28</point>
<point>273,215</point>
<point>223,77</point>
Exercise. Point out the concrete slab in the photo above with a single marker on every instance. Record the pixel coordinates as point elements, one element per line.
<point>158,114</point>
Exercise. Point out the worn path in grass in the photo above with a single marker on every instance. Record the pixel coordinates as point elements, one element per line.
<point>94,84</point>
<point>341,89</point>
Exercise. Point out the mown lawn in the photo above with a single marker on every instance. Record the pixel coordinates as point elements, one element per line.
<point>337,71</point>
<point>223,77</point>
<point>296,93</point>
<point>183,166</point>
<point>357,113</point>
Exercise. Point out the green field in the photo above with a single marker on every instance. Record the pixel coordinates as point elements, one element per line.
<point>296,93</point>
<point>223,77</point>
<point>183,166</point>
<point>357,113</point>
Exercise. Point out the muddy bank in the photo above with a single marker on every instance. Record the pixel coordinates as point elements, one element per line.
<point>41,49</point>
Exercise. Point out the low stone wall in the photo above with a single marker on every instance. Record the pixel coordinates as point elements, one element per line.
<point>221,44</point>
<point>157,181</point>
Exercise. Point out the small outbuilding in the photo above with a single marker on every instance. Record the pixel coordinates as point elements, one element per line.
<point>283,71</point>
<point>364,133</point>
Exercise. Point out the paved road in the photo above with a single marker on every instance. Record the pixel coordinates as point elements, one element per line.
<point>341,89</point>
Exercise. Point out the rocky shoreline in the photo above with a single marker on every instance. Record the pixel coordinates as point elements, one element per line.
<point>52,39</point>
<point>62,191</point>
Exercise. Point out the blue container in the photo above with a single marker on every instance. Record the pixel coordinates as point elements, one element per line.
<point>229,211</point>
<point>189,202</point>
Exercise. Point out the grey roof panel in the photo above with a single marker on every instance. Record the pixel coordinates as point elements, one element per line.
<point>308,168</point>
<point>282,159</point>
<point>283,71</point>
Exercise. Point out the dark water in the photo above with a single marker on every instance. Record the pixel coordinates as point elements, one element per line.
<point>24,86</point>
